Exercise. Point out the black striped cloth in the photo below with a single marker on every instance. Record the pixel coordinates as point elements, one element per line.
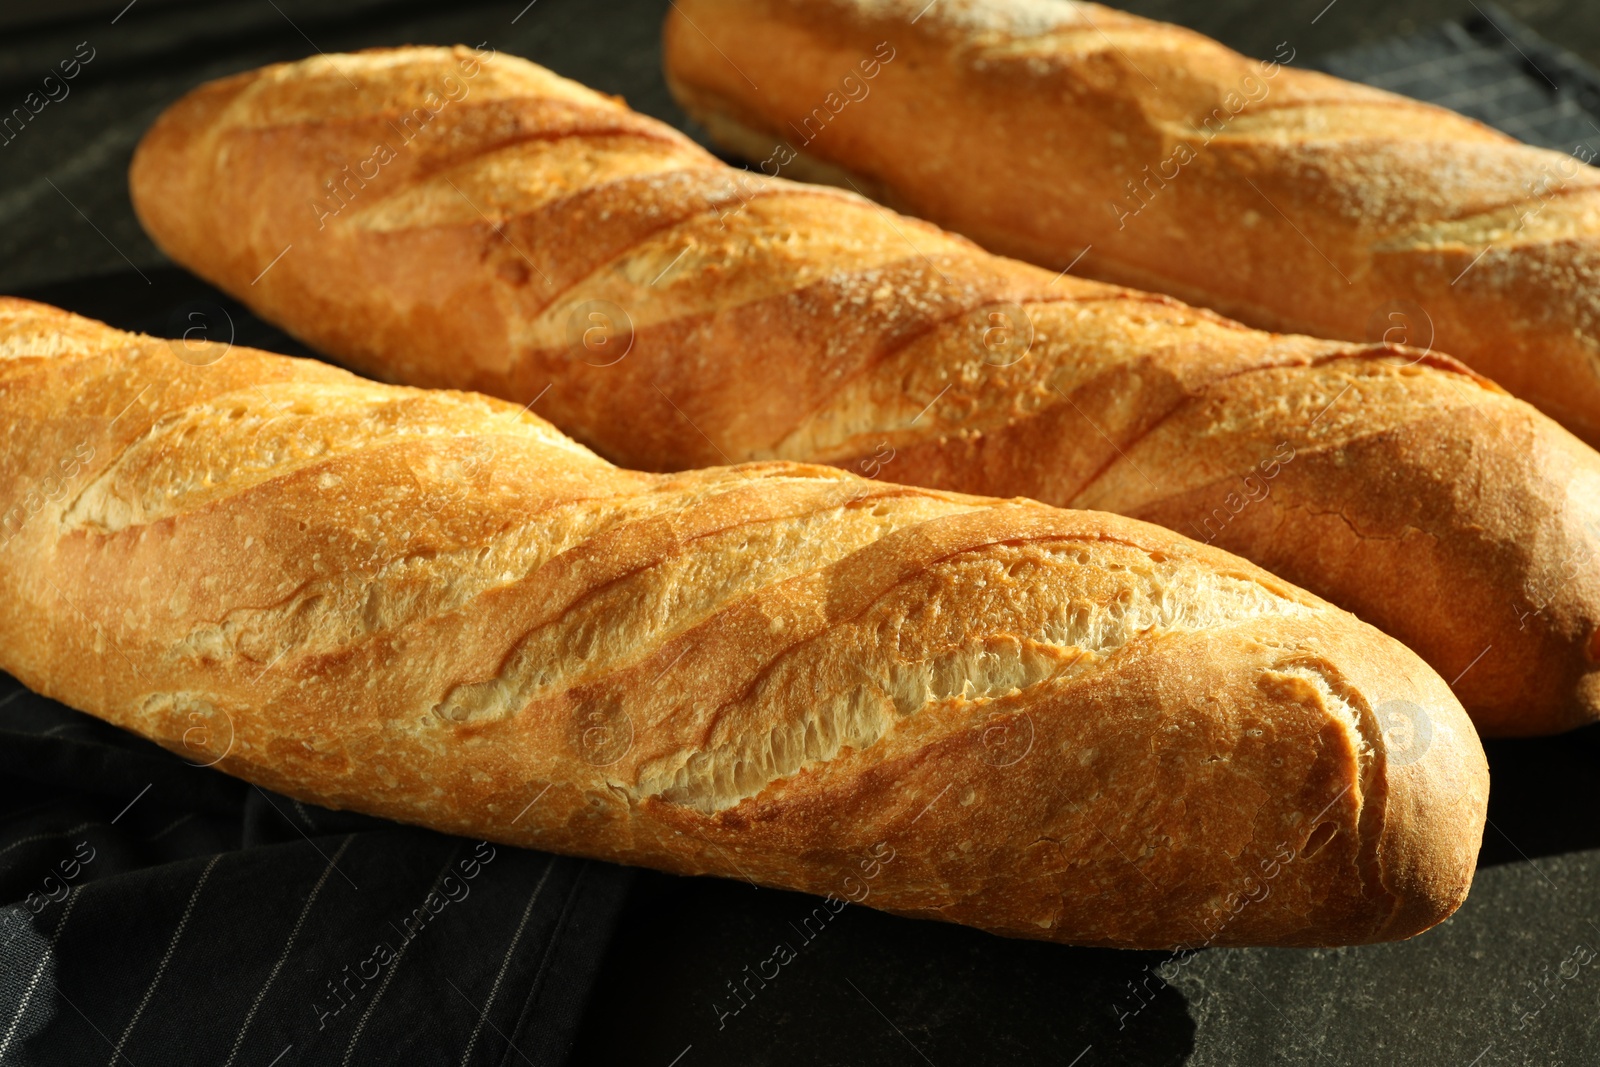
<point>160,914</point>
<point>1493,68</point>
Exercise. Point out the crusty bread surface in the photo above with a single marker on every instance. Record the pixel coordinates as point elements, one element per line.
<point>432,606</point>
<point>1147,154</point>
<point>445,218</point>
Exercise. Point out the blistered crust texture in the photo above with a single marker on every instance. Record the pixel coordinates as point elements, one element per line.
<point>447,218</point>
<point>1284,197</point>
<point>432,606</point>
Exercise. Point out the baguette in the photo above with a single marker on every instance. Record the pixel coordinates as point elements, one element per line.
<point>1287,199</point>
<point>757,319</point>
<point>433,607</point>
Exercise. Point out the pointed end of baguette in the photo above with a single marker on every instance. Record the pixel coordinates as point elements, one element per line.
<point>1436,785</point>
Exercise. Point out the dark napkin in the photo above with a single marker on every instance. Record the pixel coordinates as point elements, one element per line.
<point>1490,67</point>
<point>158,912</point>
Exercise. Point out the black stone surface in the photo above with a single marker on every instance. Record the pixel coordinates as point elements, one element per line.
<point>1506,981</point>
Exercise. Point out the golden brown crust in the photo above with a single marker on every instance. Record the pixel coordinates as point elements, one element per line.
<point>433,607</point>
<point>771,320</point>
<point>1286,198</point>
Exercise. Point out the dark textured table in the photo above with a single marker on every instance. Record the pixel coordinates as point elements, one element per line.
<point>1513,978</point>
